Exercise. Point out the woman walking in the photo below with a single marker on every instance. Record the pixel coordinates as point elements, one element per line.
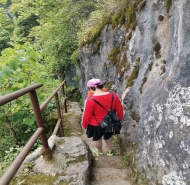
<point>93,114</point>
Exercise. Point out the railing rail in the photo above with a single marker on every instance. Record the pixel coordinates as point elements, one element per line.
<point>9,97</point>
<point>40,132</point>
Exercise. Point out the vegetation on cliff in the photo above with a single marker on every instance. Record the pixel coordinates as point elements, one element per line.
<point>114,12</point>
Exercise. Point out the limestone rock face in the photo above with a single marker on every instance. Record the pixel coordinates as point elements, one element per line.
<point>157,105</point>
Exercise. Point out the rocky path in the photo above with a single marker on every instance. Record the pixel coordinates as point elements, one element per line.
<point>105,170</point>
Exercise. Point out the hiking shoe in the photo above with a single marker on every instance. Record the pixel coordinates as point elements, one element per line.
<point>95,150</point>
<point>109,153</point>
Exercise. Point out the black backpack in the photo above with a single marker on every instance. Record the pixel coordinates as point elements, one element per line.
<point>111,122</point>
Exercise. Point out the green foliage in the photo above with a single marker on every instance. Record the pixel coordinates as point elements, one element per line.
<point>51,28</point>
<point>75,57</point>
<point>91,29</point>
<point>4,39</point>
<point>128,160</point>
<point>52,25</point>
<point>130,13</point>
<point>118,145</point>
<point>7,26</point>
<point>21,67</point>
<point>6,141</point>
<point>23,27</point>
<point>74,94</point>
<point>118,18</point>
<point>8,159</point>
<point>57,32</point>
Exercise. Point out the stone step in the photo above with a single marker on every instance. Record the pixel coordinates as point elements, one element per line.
<point>107,161</point>
<point>118,182</point>
<point>107,170</point>
<point>108,174</point>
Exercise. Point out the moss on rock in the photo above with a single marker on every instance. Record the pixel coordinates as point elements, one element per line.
<point>124,13</point>
<point>168,5</point>
<point>135,116</point>
<point>132,77</point>
<point>114,55</point>
<point>37,179</point>
<point>134,74</point>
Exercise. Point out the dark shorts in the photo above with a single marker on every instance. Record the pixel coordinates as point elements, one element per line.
<point>96,133</point>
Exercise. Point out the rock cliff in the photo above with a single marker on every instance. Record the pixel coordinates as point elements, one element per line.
<point>149,68</point>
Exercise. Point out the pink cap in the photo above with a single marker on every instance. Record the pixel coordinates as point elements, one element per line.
<point>94,82</point>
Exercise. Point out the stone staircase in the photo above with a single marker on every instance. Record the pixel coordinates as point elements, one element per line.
<point>107,170</point>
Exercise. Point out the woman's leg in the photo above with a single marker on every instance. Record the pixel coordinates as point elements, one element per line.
<point>109,143</point>
<point>98,145</point>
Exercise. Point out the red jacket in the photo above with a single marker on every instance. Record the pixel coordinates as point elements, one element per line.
<point>94,113</point>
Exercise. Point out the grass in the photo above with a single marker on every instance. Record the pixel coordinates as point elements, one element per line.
<point>128,160</point>
<point>118,145</point>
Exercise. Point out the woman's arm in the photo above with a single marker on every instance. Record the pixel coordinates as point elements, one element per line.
<point>87,113</point>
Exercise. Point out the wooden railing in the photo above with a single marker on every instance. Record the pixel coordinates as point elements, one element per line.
<point>40,132</point>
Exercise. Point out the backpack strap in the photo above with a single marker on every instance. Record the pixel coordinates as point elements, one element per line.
<point>101,104</point>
